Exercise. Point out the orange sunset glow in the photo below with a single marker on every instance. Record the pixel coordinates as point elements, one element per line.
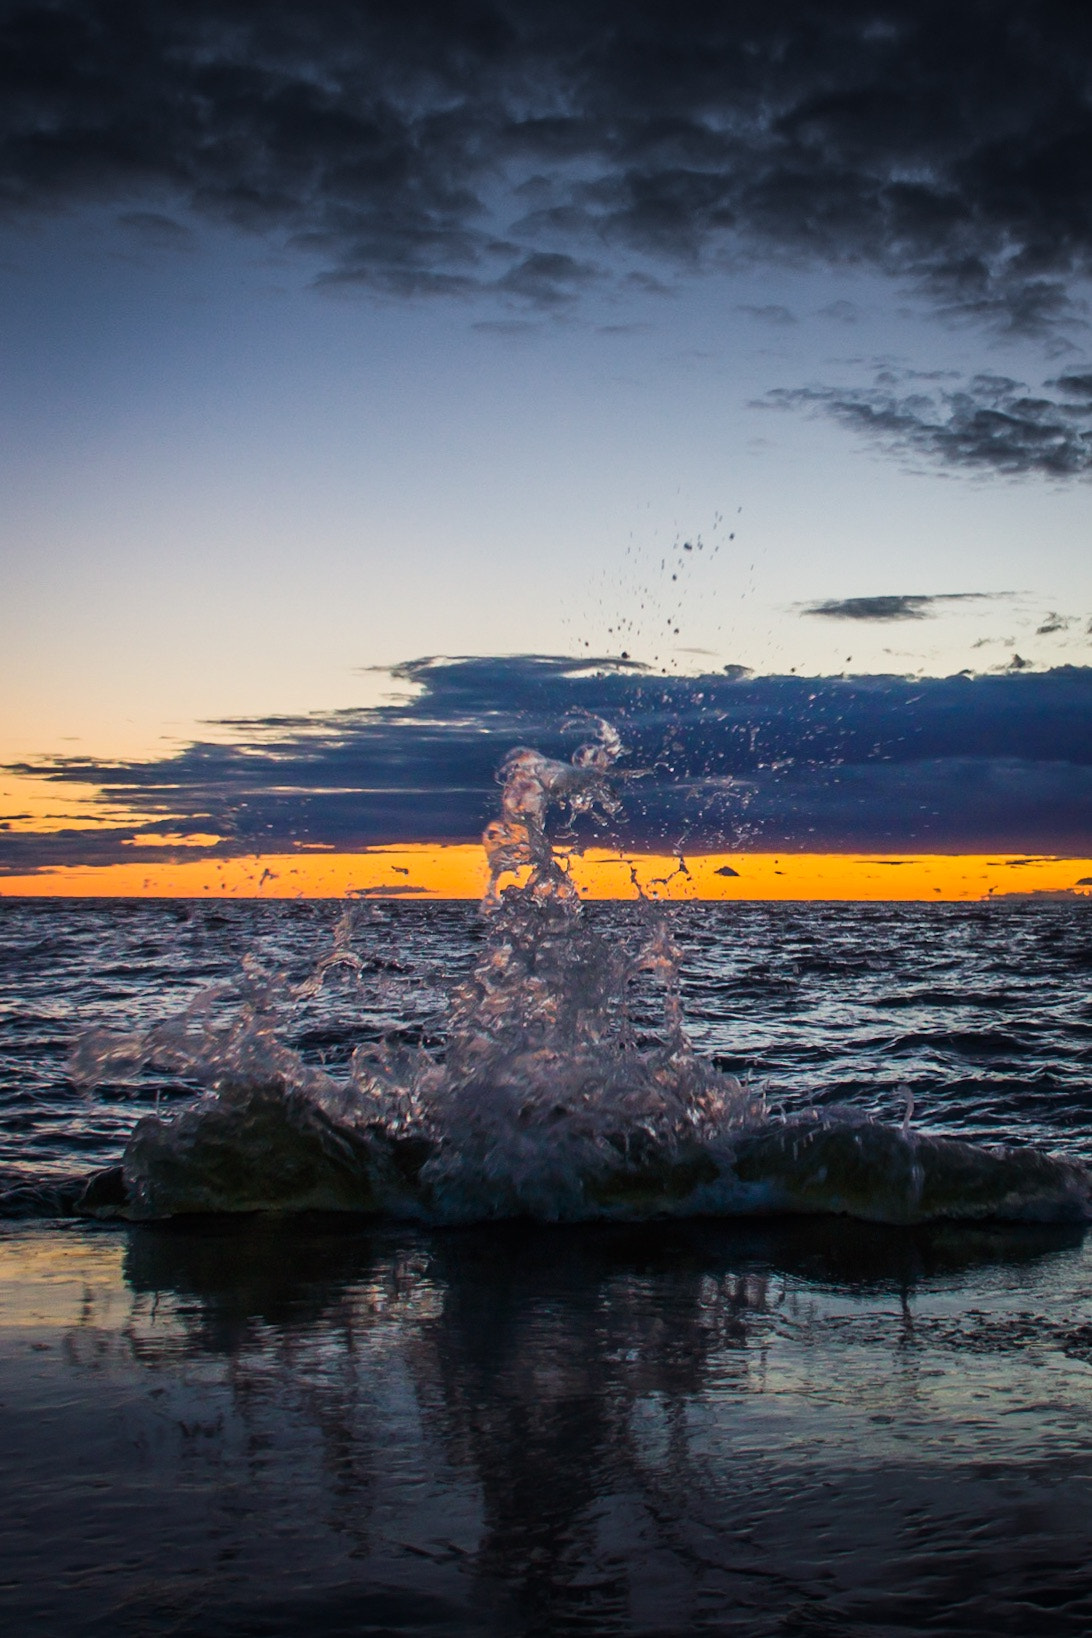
<point>458,871</point>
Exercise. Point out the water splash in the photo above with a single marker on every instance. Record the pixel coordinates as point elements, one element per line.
<point>531,785</point>
<point>554,1099</point>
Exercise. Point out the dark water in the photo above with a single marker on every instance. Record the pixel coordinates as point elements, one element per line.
<point>983,1012</point>
<point>312,1425</point>
<point>809,1427</point>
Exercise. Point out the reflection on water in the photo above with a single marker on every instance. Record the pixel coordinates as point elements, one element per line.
<point>801,1427</point>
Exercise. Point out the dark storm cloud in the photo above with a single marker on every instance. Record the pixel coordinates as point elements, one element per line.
<point>905,606</point>
<point>515,146</point>
<point>873,763</point>
<point>990,423</point>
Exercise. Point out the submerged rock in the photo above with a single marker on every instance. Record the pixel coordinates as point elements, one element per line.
<point>884,1175</point>
<point>264,1147</point>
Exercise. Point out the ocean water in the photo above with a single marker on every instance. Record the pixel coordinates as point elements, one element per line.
<point>983,1013</point>
<point>889,1025</point>
<point>644,1418</point>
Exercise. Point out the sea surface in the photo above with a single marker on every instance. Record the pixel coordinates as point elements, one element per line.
<point>983,1013</point>
<point>658,1421</point>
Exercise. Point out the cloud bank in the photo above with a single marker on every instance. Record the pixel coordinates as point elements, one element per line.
<point>529,149</point>
<point>965,763</point>
<point>990,423</point>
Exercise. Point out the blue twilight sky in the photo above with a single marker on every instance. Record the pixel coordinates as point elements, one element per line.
<point>341,334</point>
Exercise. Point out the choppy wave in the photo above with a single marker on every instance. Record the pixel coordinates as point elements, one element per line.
<point>556,1097</point>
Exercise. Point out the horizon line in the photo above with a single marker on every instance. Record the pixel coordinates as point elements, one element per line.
<point>454,872</point>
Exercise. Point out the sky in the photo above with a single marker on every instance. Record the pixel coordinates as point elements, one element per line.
<point>383,384</point>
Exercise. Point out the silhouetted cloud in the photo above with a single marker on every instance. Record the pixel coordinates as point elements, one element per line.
<point>907,606</point>
<point>515,146</point>
<point>989,423</point>
<point>386,891</point>
<point>873,763</point>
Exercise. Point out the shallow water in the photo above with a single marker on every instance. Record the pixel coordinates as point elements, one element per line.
<point>819,1426</point>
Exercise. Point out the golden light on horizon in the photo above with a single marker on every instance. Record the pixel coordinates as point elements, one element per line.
<point>458,871</point>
